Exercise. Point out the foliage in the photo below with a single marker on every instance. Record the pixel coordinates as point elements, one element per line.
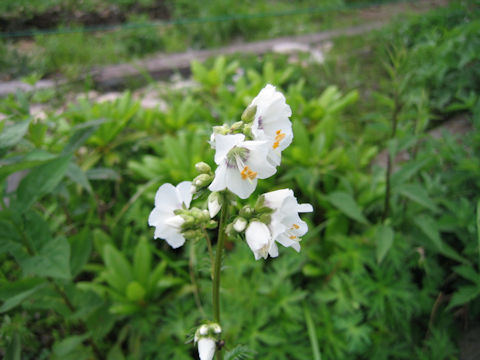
<point>78,265</point>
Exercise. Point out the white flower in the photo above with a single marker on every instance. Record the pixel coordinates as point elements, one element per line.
<point>206,348</point>
<point>259,239</point>
<point>285,225</point>
<point>168,225</point>
<point>240,164</point>
<point>272,122</point>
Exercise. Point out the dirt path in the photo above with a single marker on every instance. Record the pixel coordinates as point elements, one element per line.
<point>162,65</point>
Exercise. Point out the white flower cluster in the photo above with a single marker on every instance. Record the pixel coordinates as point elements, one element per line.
<point>244,152</point>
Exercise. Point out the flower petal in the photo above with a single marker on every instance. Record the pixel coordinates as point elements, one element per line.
<point>224,143</point>
<point>243,188</point>
<point>219,183</point>
<point>206,348</point>
<point>166,197</point>
<point>184,192</point>
<point>257,235</point>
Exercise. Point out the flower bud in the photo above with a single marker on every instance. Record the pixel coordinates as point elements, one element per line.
<point>215,202</point>
<point>212,224</point>
<point>249,114</point>
<point>202,180</point>
<point>206,348</point>
<point>205,338</point>
<point>203,168</point>
<point>246,211</point>
<point>236,126</point>
<point>247,130</point>
<point>239,224</point>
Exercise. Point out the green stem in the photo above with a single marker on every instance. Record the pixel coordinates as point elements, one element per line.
<point>210,251</point>
<point>217,269</point>
<point>388,172</point>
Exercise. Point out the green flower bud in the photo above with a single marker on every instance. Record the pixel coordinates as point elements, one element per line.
<point>236,126</point>
<point>212,224</point>
<point>203,168</point>
<point>222,130</point>
<point>247,130</point>
<point>202,180</point>
<point>246,211</point>
<point>249,114</point>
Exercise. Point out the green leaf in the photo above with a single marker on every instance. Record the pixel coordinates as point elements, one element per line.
<point>416,193</point>
<point>135,291</point>
<point>142,262</point>
<point>19,298</point>
<point>14,349</point>
<point>10,289</point>
<point>41,180</point>
<point>12,134</point>
<point>68,345</point>
<point>346,204</point>
<point>464,295</point>
<point>81,247</point>
<point>118,266</point>
<point>429,228</point>
<point>312,334</point>
<point>384,241</point>
<point>77,175</point>
<point>478,231</point>
<point>52,260</point>
<point>81,134</point>
<point>102,174</point>
<point>468,272</point>
<point>115,353</point>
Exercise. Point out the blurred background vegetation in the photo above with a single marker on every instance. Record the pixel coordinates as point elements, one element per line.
<point>386,150</point>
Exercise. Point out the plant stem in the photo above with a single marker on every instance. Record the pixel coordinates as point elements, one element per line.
<point>191,265</point>
<point>217,269</point>
<point>210,251</point>
<point>388,174</point>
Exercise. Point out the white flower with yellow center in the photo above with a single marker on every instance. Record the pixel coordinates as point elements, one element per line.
<point>167,224</point>
<point>285,225</point>
<point>240,164</point>
<point>272,122</point>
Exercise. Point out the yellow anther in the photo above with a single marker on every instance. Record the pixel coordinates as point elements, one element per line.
<point>295,226</point>
<point>292,237</point>
<point>279,137</point>
<point>246,173</point>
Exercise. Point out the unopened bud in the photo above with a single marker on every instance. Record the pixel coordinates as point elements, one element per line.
<point>239,224</point>
<point>236,126</point>
<point>203,168</point>
<point>202,180</point>
<point>247,130</point>
<point>212,224</point>
<point>249,114</point>
<point>246,211</point>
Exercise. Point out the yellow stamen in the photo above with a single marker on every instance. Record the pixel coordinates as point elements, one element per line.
<point>246,173</point>
<point>292,237</point>
<point>279,137</point>
<point>295,226</point>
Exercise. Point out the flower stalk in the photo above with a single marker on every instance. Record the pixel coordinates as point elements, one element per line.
<point>217,269</point>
